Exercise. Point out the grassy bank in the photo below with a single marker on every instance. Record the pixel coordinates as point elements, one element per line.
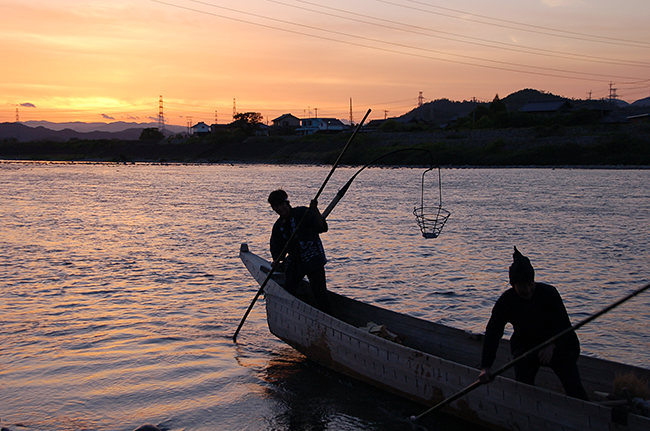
<point>615,145</point>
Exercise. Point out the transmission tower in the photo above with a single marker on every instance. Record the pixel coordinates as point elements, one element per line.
<point>351,118</point>
<point>234,109</point>
<point>17,116</point>
<point>420,99</point>
<point>612,92</point>
<point>215,116</point>
<point>385,114</point>
<point>189,125</point>
<point>161,116</point>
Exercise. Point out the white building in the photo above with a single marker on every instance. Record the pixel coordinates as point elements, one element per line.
<point>310,126</point>
<point>200,129</point>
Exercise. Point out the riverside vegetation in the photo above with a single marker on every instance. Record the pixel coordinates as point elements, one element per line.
<point>497,138</point>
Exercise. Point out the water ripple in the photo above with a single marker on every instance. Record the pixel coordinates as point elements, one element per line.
<point>122,286</point>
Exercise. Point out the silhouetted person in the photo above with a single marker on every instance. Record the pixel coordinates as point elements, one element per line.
<point>537,313</point>
<point>305,255</point>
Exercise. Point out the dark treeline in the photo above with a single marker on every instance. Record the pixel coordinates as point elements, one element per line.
<point>551,142</point>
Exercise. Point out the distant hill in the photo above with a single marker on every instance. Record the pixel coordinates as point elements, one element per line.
<point>25,133</point>
<point>642,102</point>
<point>438,112</point>
<point>117,126</point>
<point>621,103</point>
<point>519,98</point>
<point>441,111</point>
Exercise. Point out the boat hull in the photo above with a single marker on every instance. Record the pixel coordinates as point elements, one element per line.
<point>339,343</point>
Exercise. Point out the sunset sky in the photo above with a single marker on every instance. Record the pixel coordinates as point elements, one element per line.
<point>111,60</point>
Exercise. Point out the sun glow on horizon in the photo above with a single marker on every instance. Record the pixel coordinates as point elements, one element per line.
<point>87,61</point>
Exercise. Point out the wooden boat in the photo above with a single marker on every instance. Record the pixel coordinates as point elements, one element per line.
<point>429,362</point>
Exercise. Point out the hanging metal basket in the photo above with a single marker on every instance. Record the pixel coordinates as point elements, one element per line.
<point>431,219</point>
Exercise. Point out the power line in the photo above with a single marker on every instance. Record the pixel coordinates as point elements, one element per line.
<point>423,31</point>
<point>536,70</point>
<point>548,31</point>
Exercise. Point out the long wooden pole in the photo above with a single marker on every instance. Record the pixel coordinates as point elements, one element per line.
<point>532,351</point>
<point>345,188</point>
<point>284,251</point>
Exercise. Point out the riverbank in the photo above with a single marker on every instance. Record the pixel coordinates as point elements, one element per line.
<point>613,145</point>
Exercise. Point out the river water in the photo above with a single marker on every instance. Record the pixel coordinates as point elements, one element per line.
<point>121,286</point>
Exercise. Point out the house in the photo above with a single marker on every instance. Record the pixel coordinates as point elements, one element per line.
<point>200,129</point>
<point>546,107</point>
<point>603,107</point>
<point>214,128</point>
<point>310,126</point>
<point>374,125</point>
<point>285,124</point>
<point>286,120</point>
<point>262,130</point>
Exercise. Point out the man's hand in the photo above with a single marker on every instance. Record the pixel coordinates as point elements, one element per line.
<point>485,377</point>
<point>546,354</point>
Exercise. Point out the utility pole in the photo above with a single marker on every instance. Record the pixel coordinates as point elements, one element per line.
<point>316,112</point>
<point>161,116</point>
<point>234,109</point>
<point>474,110</point>
<point>385,114</point>
<point>215,116</point>
<point>17,116</point>
<point>189,124</point>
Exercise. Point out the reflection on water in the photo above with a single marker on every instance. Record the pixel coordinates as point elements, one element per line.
<point>121,285</point>
<point>311,397</point>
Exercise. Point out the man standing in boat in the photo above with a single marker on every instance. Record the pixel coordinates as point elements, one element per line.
<point>537,313</point>
<point>305,254</point>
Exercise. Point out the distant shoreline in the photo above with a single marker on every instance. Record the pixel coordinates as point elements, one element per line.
<point>616,147</point>
<point>236,163</point>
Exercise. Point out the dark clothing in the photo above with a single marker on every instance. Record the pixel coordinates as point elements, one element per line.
<point>305,255</point>
<point>564,365</point>
<point>534,321</point>
<point>316,282</point>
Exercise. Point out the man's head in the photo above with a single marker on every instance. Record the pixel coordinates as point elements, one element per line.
<point>279,201</point>
<point>522,275</point>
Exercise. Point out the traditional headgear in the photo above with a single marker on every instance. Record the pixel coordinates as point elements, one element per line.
<point>521,271</point>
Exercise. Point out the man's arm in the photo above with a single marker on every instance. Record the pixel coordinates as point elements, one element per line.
<point>493,334</point>
<point>276,244</point>
<point>319,220</point>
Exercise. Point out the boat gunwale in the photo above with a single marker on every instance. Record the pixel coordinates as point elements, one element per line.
<point>596,410</point>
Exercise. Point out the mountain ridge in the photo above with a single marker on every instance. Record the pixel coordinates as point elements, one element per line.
<point>23,133</point>
<point>98,126</point>
<point>440,111</point>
